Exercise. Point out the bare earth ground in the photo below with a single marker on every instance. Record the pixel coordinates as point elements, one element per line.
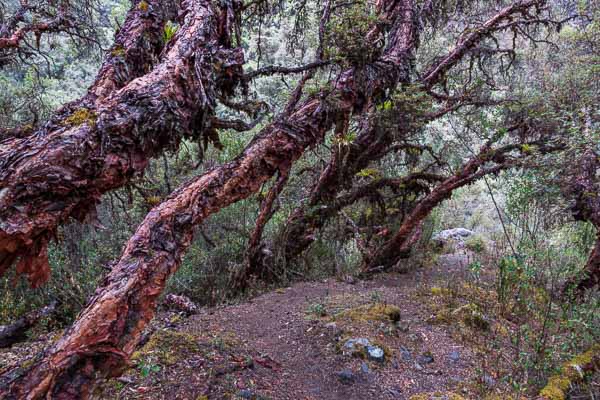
<point>276,346</point>
<point>287,344</point>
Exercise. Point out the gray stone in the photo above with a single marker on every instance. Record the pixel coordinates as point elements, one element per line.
<point>364,368</point>
<point>488,380</point>
<point>351,343</point>
<point>246,394</point>
<point>452,234</point>
<point>402,326</point>
<point>376,353</point>
<point>346,376</point>
<point>405,353</point>
<point>454,356</point>
<point>425,358</point>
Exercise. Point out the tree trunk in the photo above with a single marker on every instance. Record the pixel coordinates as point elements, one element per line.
<point>17,331</point>
<point>106,332</point>
<point>388,254</point>
<point>373,142</point>
<point>102,141</point>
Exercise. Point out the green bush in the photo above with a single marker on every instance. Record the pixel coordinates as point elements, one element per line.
<point>476,244</point>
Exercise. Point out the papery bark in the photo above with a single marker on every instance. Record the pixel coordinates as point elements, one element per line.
<point>128,116</point>
<point>372,142</point>
<point>108,329</point>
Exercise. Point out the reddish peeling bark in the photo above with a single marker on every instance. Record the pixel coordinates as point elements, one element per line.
<point>302,225</point>
<point>305,221</point>
<point>101,142</point>
<point>108,329</point>
<point>388,254</point>
<point>12,35</point>
<point>373,142</point>
<point>106,332</point>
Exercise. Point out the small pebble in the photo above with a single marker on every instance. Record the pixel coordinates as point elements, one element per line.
<point>346,376</point>
<point>246,394</point>
<point>364,368</point>
<point>405,353</point>
<point>376,353</point>
<point>454,356</point>
<point>425,358</point>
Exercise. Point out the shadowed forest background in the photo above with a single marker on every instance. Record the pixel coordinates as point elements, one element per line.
<point>238,148</point>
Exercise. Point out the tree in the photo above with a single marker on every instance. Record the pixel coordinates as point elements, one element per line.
<point>168,91</point>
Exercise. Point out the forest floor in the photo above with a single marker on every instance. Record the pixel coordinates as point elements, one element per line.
<point>292,343</point>
<point>289,344</point>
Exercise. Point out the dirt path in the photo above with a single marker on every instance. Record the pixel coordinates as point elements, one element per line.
<point>289,344</point>
<point>278,326</point>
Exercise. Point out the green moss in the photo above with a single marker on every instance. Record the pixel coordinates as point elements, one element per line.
<point>474,318</point>
<point>168,347</point>
<point>469,314</point>
<point>571,372</point>
<point>438,291</point>
<point>436,396</point>
<point>153,200</point>
<point>143,6</point>
<point>375,312</point>
<point>81,116</point>
<point>118,51</point>
<point>556,388</point>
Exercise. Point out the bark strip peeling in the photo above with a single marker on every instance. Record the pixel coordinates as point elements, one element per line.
<point>372,143</point>
<point>106,332</point>
<point>103,141</point>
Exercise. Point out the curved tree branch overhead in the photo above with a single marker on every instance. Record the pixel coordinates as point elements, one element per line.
<point>134,111</point>
<point>380,111</point>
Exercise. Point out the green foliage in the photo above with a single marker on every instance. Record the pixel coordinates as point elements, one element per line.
<point>317,309</point>
<point>368,173</point>
<point>147,369</point>
<point>169,31</point>
<point>405,109</point>
<point>475,243</point>
<point>347,38</point>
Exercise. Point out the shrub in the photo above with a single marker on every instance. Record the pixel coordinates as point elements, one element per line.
<point>476,244</point>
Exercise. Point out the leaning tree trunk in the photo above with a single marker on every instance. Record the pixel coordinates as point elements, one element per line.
<point>298,234</point>
<point>390,252</point>
<point>371,144</point>
<point>17,331</point>
<point>102,141</point>
<point>106,332</point>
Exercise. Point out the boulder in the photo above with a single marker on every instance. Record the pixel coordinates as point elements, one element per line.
<point>455,234</point>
